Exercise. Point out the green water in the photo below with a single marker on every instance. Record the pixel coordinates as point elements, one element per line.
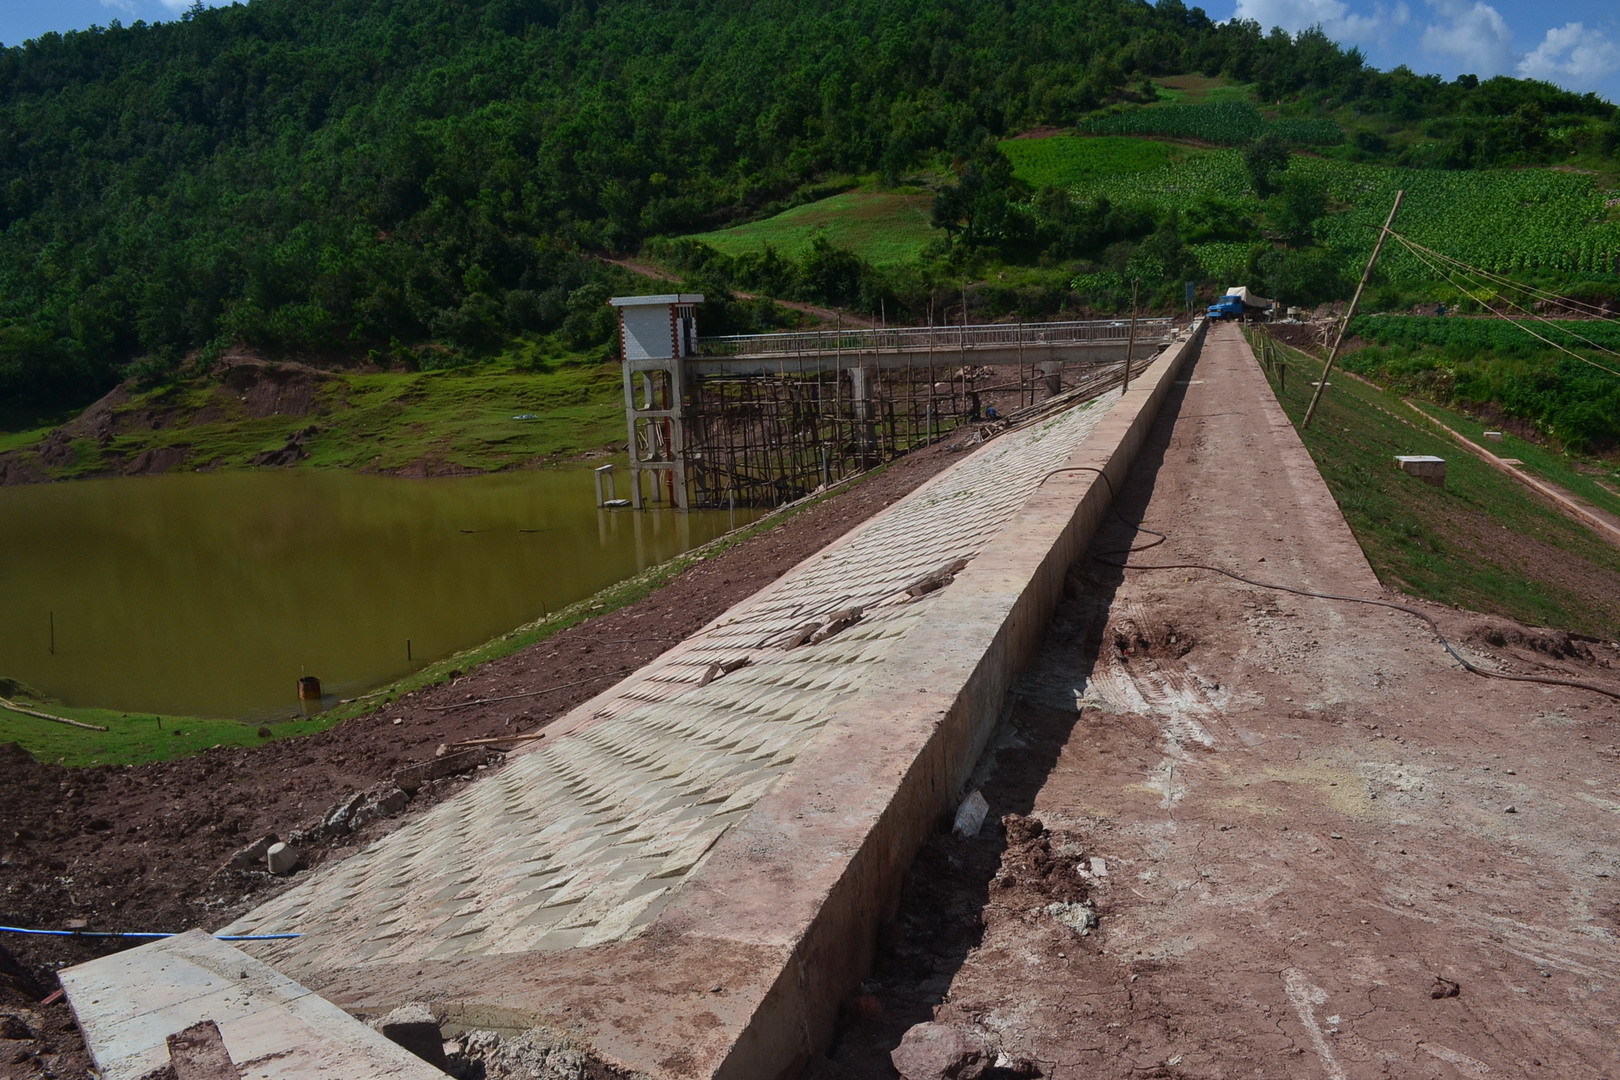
<point>211,594</point>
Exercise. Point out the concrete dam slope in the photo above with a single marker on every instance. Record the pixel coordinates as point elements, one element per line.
<point>687,875</point>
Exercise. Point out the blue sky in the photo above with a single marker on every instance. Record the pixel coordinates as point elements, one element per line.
<point>1573,43</point>
<point>24,19</point>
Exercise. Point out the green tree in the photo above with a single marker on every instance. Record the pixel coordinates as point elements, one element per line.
<point>1264,158</point>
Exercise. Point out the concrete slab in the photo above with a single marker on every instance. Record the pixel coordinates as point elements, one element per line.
<point>130,1003</point>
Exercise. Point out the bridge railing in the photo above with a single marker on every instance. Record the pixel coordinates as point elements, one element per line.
<point>940,339</point>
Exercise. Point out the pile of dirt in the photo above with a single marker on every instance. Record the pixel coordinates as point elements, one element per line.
<point>154,847</point>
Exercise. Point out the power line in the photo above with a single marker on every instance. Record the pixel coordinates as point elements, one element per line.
<point>1498,279</point>
<point>1415,249</point>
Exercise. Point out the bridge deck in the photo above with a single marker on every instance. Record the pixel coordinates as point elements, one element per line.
<point>1101,341</point>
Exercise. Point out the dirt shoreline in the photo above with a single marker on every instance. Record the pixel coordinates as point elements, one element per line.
<point>150,847</point>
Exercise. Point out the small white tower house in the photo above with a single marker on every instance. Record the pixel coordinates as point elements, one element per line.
<point>655,334</point>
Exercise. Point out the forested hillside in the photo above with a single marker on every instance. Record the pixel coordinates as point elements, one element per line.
<point>355,177</point>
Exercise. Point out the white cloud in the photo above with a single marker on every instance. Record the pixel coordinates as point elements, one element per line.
<point>126,6</point>
<point>1333,16</point>
<point>1475,34</point>
<point>1571,55</point>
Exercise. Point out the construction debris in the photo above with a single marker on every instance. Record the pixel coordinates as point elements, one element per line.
<point>936,579</point>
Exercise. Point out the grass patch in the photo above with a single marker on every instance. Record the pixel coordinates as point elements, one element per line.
<point>1201,90</point>
<point>884,228</point>
<point>16,440</point>
<point>133,738</point>
<point>1482,542</point>
<point>1065,160</point>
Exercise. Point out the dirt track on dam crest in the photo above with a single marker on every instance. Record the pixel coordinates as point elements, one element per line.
<point>1310,844</point>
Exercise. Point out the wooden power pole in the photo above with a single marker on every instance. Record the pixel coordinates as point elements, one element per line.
<point>1333,353</point>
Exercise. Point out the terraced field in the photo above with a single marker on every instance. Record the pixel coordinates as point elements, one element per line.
<point>1505,220</point>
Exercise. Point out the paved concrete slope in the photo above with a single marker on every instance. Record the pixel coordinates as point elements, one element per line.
<point>690,872</point>
<point>583,840</point>
<point>1316,847</point>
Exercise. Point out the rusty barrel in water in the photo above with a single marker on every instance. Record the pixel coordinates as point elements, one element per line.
<point>309,688</point>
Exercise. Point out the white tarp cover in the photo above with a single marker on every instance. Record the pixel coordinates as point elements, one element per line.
<point>1249,298</point>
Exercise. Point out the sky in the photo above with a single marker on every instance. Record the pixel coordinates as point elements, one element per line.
<point>1572,43</point>
<point>21,20</point>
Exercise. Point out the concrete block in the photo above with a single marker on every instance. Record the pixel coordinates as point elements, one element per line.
<point>1426,467</point>
<point>198,1053</point>
<point>254,853</point>
<point>129,1003</point>
<point>1494,436</point>
<point>282,858</point>
<point>415,1028</point>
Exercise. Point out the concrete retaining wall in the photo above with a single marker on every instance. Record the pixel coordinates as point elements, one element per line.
<point>817,867</point>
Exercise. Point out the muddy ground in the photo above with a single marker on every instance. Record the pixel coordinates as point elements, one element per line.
<point>149,848</point>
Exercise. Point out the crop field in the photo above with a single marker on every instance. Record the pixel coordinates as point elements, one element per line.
<point>1495,336</point>
<point>1503,220</point>
<point>1226,123</point>
<point>1065,160</point>
<point>884,228</point>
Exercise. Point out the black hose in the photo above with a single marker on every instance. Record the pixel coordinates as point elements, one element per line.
<point>1434,627</point>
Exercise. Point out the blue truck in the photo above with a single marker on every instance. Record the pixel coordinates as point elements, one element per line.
<point>1238,303</point>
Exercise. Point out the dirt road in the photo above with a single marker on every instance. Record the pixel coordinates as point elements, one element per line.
<point>1312,844</point>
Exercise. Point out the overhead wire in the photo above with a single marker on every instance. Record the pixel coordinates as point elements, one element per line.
<point>1510,283</point>
<point>1443,272</point>
<point>1501,279</point>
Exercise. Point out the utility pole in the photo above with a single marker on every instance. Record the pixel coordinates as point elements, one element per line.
<point>1333,353</point>
<point>1130,344</point>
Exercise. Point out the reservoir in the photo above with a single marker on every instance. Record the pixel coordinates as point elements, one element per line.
<point>211,594</point>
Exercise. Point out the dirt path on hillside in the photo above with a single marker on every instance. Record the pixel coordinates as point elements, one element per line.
<point>1312,845</point>
<point>149,848</point>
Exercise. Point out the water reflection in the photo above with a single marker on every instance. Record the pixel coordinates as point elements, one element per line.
<point>213,594</point>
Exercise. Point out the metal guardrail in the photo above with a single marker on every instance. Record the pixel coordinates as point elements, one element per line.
<point>940,339</point>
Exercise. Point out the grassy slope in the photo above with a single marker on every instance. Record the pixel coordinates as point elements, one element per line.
<point>1588,482</point>
<point>1201,90</point>
<point>884,228</point>
<point>461,417</point>
<point>1445,544</point>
